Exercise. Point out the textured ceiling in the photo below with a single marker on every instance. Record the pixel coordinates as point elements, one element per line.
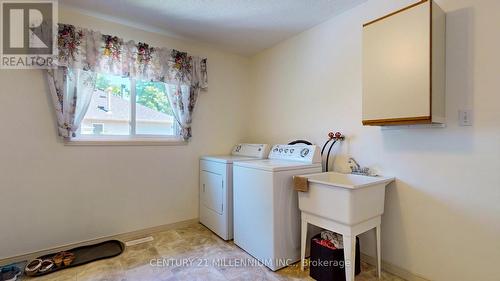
<point>240,26</point>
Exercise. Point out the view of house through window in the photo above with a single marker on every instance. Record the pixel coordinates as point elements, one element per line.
<point>112,110</point>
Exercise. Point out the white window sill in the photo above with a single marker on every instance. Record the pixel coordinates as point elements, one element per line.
<point>126,141</point>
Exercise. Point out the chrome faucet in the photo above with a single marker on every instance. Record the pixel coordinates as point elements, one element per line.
<point>357,169</point>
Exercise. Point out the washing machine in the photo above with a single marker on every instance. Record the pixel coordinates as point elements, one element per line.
<point>266,212</point>
<point>216,186</point>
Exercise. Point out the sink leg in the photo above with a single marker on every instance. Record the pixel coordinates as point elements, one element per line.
<point>303,241</point>
<point>349,257</point>
<point>379,267</point>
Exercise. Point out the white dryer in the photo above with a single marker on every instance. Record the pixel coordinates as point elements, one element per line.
<point>216,186</point>
<point>266,212</point>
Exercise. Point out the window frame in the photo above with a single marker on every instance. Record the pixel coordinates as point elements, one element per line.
<point>132,138</point>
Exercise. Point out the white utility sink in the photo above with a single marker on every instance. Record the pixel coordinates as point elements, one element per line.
<point>344,203</point>
<point>345,198</point>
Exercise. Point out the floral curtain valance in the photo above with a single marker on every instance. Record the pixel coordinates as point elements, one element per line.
<point>86,49</point>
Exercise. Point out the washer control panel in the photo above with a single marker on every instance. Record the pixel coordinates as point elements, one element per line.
<point>251,150</point>
<point>298,152</point>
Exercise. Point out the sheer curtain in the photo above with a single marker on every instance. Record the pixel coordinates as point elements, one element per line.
<point>187,75</point>
<point>182,95</point>
<point>182,98</point>
<point>71,91</point>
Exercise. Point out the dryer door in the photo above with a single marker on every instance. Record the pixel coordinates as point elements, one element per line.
<point>212,191</point>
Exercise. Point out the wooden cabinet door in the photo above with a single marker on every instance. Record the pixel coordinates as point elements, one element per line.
<point>396,67</point>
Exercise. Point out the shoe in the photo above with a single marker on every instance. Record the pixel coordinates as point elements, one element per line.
<point>46,265</point>
<point>10,273</point>
<point>58,259</point>
<point>33,267</point>
<point>38,266</point>
<point>68,258</point>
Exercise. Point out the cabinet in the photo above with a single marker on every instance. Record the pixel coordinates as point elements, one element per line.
<point>404,67</point>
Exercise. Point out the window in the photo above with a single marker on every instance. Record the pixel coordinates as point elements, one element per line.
<point>124,107</point>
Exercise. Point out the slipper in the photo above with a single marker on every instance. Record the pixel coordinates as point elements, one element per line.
<point>38,266</point>
<point>58,258</point>
<point>46,265</point>
<point>33,267</point>
<point>68,258</point>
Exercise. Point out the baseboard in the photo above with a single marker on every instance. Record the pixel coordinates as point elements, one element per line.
<point>393,269</point>
<point>122,237</point>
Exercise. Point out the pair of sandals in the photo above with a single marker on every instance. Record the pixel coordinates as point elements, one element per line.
<point>39,266</point>
<point>63,258</point>
<point>10,273</point>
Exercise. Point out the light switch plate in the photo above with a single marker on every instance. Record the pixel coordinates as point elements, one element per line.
<point>465,117</point>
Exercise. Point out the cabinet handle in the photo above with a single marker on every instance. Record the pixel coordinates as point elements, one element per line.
<point>203,187</point>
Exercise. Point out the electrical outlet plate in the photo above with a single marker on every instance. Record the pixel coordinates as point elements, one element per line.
<point>465,117</point>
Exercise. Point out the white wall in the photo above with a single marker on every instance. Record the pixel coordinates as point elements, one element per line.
<point>51,194</point>
<point>442,216</point>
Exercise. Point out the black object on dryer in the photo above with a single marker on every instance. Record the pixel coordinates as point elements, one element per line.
<point>300,141</point>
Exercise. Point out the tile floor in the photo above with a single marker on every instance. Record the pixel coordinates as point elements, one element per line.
<point>187,253</point>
